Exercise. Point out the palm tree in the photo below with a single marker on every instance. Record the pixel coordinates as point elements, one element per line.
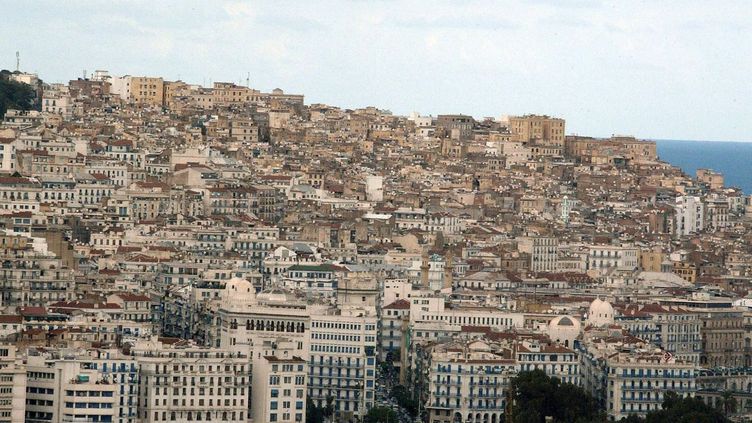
<point>727,403</point>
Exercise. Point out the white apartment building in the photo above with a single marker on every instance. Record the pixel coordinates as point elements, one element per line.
<point>62,389</point>
<point>12,386</point>
<point>464,316</point>
<point>556,360</point>
<point>342,361</point>
<point>632,379</point>
<point>717,213</point>
<point>544,252</point>
<point>109,368</point>
<point>244,319</point>
<point>279,383</point>
<point>601,258</point>
<point>468,383</point>
<point>394,320</point>
<point>121,86</point>
<point>690,215</point>
<point>182,382</point>
<point>676,330</point>
<point>57,102</point>
<point>409,218</point>
<point>8,154</point>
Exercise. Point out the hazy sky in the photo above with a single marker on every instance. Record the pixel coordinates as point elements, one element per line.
<point>659,69</point>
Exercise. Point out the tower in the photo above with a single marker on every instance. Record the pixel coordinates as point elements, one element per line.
<point>448,274</point>
<point>18,61</point>
<point>424,269</point>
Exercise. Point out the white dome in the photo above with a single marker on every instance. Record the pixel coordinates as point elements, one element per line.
<point>564,330</point>
<point>600,313</point>
<point>275,295</point>
<point>239,291</point>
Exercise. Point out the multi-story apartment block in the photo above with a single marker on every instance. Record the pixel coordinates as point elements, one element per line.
<point>342,362</point>
<point>62,389</point>
<point>33,276</point>
<point>12,385</point>
<point>279,383</point>
<point>628,376</point>
<point>147,90</point>
<point>556,360</point>
<point>395,318</point>
<point>673,329</point>
<point>180,382</point>
<point>538,129</point>
<point>722,338</point>
<point>601,258</point>
<point>468,382</point>
<point>244,319</point>
<point>544,253</point>
<point>690,215</point>
<point>455,126</point>
<point>717,213</point>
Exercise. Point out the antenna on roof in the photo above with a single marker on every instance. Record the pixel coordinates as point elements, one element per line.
<point>84,73</point>
<point>18,62</point>
<point>248,80</point>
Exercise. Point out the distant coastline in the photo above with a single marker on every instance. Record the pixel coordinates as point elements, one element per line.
<point>731,158</point>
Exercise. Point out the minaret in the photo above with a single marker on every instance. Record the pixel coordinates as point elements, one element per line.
<point>424,269</point>
<point>448,270</point>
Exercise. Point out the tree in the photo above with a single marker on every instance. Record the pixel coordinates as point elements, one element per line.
<point>405,399</point>
<point>15,95</point>
<point>380,415</point>
<point>681,410</point>
<point>316,414</point>
<point>727,404</point>
<point>537,396</point>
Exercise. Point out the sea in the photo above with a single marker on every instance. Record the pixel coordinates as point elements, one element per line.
<point>732,159</point>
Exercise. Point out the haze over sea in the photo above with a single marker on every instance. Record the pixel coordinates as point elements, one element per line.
<point>732,159</point>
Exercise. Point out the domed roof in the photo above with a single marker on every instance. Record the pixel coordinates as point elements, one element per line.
<point>564,329</point>
<point>277,295</point>
<point>239,291</point>
<point>565,321</point>
<point>599,306</point>
<point>600,313</point>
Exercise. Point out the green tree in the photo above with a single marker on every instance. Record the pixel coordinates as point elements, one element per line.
<point>380,415</point>
<point>316,414</point>
<point>727,404</point>
<point>15,95</point>
<point>682,410</point>
<point>405,399</point>
<point>537,396</point>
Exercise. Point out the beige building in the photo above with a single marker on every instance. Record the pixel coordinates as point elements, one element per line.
<point>651,261</point>
<point>227,93</point>
<point>182,382</point>
<point>712,178</point>
<point>540,129</point>
<point>12,385</point>
<point>147,90</point>
<point>722,338</point>
<point>173,89</point>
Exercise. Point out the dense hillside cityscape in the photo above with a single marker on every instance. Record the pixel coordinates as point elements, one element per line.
<point>176,252</point>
